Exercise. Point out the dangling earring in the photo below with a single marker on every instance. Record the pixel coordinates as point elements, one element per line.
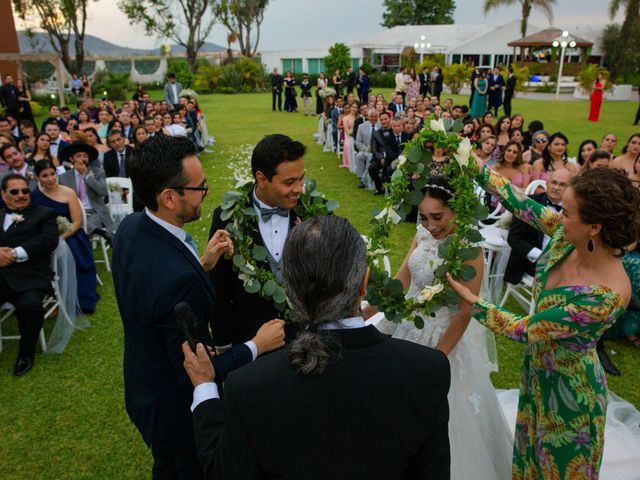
<point>590,245</point>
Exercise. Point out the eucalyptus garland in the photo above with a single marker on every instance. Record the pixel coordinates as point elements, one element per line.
<point>251,260</point>
<point>404,192</point>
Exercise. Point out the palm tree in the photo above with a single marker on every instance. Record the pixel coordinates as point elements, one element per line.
<point>623,62</point>
<point>527,5</point>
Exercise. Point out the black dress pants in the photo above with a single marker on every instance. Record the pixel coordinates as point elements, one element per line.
<point>30,315</point>
<point>176,464</point>
<point>276,94</point>
<point>507,103</point>
<point>380,173</point>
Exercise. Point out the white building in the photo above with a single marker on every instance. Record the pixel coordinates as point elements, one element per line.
<point>485,45</point>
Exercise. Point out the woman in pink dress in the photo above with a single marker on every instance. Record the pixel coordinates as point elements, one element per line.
<point>596,97</point>
<point>348,152</point>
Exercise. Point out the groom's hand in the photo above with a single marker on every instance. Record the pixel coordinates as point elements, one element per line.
<point>198,365</point>
<point>220,243</point>
<point>270,336</point>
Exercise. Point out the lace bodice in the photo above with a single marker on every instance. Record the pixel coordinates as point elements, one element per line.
<point>423,261</point>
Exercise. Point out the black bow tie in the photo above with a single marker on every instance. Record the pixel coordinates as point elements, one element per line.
<point>554,205</point>
<point>267,213</point>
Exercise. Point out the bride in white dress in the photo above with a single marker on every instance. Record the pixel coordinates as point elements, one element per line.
<point>480,438</point>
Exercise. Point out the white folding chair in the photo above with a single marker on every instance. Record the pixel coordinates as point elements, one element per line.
<point>119,209</point>
<point>51,303</point>
<point>494,247</point>
<point>533,186</point>
<point>522,292</point>
<point>95,240</point>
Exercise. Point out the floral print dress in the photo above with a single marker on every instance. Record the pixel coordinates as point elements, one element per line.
<point>563,391</point>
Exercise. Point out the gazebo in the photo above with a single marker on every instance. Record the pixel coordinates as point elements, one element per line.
<point>545,39</point>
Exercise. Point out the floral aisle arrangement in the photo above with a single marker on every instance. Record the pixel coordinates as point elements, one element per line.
<point>251,260</point>
<point>404,191</point>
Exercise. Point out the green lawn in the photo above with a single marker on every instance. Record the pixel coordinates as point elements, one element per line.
<point>66,418</point>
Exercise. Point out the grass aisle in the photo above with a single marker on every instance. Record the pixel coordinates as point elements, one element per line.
<point>66,418</point>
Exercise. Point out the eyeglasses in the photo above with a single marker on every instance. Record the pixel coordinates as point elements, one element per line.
<point>204,188</point>
<point>541,140</point>
<point>16,191</point>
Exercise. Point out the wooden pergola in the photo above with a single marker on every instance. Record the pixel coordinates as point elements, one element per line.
<point>53,58</point>
<point>545,39</point>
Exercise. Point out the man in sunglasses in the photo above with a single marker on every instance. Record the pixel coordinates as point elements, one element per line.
<point>28,237</point>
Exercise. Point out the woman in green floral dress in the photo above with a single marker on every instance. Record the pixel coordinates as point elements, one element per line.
<point>581,288</point>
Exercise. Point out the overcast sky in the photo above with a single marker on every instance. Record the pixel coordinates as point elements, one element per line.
<point>308,24</point>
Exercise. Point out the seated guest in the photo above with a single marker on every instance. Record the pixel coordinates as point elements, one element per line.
<point>116,159</point>
<point>527,243</point>
<point>52,128</point>
<point>15,162</point>
<point>510,165</point>
<point>597,159</point>
<point>386,146</point>
<point>28,237</point>
<point>93,139</point>
<point>316,410</point>
<point>397,106</point>
<point>64,201</point>
<point>87,180</point>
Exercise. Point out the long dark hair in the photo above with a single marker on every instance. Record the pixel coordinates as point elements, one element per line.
<point>322,284</point>
<point>547,161</point>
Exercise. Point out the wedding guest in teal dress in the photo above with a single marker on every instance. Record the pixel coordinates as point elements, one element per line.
<point>66,204</point>
<point>628,325</point>
<point>479,103</point>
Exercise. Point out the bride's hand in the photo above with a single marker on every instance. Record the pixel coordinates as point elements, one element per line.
<point>461,290</point>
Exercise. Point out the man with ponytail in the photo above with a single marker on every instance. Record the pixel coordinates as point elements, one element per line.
<point>343,400</point>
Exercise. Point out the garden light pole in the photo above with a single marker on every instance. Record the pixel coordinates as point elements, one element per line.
<point>562,41</point>
<point>422,45</point>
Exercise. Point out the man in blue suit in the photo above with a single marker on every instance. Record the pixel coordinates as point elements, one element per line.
<point>335,114</point>
<point>496,85</point>
<point>155,266</point>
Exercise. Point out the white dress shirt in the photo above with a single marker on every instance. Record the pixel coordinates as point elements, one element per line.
<point>174,92</point>
<point>209,390</point>
<point>20,252</point>
<point>55,146</point>
<point>274,231</point>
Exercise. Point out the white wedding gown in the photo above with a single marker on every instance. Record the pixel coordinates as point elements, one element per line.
<point>480,438</point>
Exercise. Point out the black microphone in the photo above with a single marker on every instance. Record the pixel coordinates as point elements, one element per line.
<point>188,324</point>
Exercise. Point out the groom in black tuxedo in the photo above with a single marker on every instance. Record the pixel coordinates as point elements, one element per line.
<point>278,169</point>
<point>341,402</point>
<point>28,237</point>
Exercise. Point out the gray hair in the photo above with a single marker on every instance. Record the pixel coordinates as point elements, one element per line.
<point>324,263</point>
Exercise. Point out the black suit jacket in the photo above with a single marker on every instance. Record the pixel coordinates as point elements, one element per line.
<point>510,86</point>
<point>152,271</point>
<point>522,238</point>
<point>239,314</point>
<point>111,163</point>
<point>379,411</point>
<point>384,145</point>
<point>37,234</point>
<point>393,107</point>
<point>436,85</point>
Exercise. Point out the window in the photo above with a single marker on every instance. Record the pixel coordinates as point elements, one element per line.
<point>456,58</point>
<point>486,61</point>
<point>355,64</point>
<point>293,64</point>
<point>316,65</point>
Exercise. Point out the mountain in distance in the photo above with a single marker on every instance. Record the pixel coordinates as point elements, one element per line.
<point>39,43</point>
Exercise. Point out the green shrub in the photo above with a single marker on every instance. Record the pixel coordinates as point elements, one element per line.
<point>231,78</point>
<point>36,108</point>
<point>383,80</point>
<point>116,85</point>
<point>588,76</point>
<point>225,90</point>
<point>455,75</point>
<point>180,68</point>
<point>245,75</point>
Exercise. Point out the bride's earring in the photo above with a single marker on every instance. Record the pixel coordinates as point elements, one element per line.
<point>590,245</point>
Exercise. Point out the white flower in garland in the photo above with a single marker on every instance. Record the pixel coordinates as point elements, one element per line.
<point>463,153</point>
<point>402,160</point>
<point>429,292</point>
<point>390,216</point>
<point>437,125</point>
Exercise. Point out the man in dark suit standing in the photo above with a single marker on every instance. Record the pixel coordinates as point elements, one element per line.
<point>385,148</point>
<point>351,80</point>
<point>276,89</point>
<point>509,91</point>
<point>343,401</point>
<point>496,84</point>
<point>155,266</point>
<point>436,82</point>
<point>116,160</point>
<point>425,81</point>
<point>9,97</point>
<point>28,237</point>
<point>277,164</point>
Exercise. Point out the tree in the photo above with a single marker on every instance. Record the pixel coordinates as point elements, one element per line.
<point>417,12</point>
<point>59,19</point>
<point>339,58</point>
<point>242,17</point>
<point>527,6</point>
<point>186,22</point>
<point>620,43</point>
